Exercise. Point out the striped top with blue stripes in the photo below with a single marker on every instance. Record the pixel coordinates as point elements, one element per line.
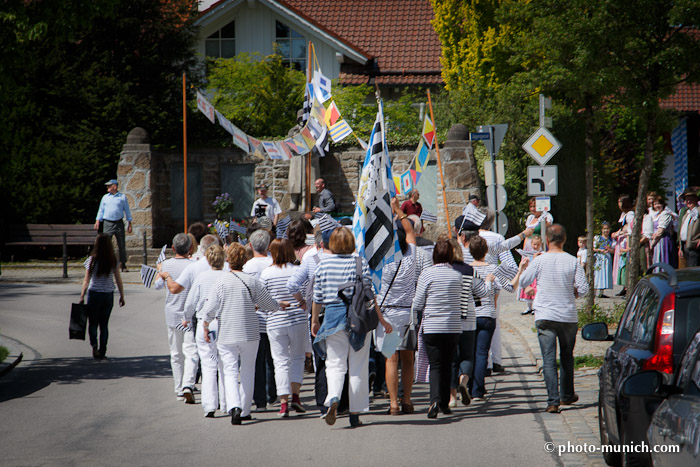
<point>396,298</point>
<point>486,305</point>
<point>438,296</point>
<point>334,271</point>
<point>99,283</point>
<point>232,300</point>
<point>199,291</point>
<point>274,279</point>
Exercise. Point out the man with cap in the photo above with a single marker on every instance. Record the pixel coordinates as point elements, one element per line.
<point>689,234</point>
<point>265,206</point>
<point>475,200</point>
<point>113,207</point>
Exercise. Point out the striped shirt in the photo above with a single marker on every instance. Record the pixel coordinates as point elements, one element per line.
<point>497,246</point>
<point>472,286</point>
<point>233,304</point>
<point>174,303</point>
<point>396,298</point>
<point>486,305</point>
<point>254,267</point>
<point>334,271</point>
<point>437,296</point>
<point>509,267</point>
<point>99,283</point>
<point>558,276</point>
<point>199,291</point>
<point>191,272</point>
<point>305,274</point>
<point>274,279</point>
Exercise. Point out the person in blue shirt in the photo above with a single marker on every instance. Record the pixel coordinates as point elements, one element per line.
<point>113,207</point>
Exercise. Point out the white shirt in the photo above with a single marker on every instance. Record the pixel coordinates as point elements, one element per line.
<point>174,303</point>
<point>190,273</point>
<point>254,267</point>
<point>272,207</point>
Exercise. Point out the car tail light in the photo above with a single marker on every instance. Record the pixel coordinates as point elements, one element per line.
<point>662,360</point>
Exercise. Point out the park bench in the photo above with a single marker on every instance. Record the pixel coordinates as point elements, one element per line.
<point>52,234</point>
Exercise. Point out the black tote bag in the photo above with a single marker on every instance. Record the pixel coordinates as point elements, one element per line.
<point>78,321</point>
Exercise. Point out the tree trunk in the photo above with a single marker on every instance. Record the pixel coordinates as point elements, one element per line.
<point>590,156</point>
<point>641,204</point>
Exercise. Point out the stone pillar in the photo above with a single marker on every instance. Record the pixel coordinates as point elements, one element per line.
<point>134,174</point>
<point>460,173</point>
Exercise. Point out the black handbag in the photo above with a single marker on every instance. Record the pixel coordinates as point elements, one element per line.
<point>78,321</point>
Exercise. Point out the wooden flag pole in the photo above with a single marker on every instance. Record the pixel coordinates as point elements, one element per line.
<point>437,151</point>
<point>307,207</point>
<point>184,142</point>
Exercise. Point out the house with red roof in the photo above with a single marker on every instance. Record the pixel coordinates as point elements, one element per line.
<point>390,43</point>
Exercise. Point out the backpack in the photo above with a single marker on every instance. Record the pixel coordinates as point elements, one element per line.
<point>361,314</point>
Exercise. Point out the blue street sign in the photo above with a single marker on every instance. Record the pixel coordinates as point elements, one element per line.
<point>481,136</point>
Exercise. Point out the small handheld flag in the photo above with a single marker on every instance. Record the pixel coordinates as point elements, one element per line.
<point>148,274</point>
<point>161,256</point>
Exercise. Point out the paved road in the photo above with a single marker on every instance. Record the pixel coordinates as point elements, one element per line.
<point>61,407</point>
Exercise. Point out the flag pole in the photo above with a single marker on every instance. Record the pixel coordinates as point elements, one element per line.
<point>437,151</point>
<point>184,142</point>
<point>307,207</point>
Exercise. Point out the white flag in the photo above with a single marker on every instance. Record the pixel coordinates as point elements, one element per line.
<point>206,108</point>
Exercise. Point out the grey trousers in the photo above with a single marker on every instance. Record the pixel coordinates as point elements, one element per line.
<point>117,229</point>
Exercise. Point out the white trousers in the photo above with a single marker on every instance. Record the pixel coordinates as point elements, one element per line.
<point>495,354</point>
<point>241,354</point>
<point>183,358</point>
<point>342,359</point>
<point>288,346</point>
<point>213,392</point>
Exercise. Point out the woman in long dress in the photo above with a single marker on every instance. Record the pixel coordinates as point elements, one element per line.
<point>661,240</point>
<point>621,239</point>
<point>603,249</point>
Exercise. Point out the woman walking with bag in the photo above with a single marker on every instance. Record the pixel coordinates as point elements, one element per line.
<point>100,275</point>
<point>346,352</point>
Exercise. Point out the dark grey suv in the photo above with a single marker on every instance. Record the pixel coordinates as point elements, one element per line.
<point>662,315</point>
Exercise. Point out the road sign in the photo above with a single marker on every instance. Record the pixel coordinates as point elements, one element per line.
<point>480,136</point>
<point>542,146</point>
<point>499,131</point>
<point>500,226</point>
<point>500,178</point>
<point>542,180</point>
<point>543,203</point>
<point>497,197</point>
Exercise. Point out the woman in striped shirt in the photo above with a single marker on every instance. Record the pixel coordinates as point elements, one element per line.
<point>437,295</point>
<point>287,329</point>
<point>232,300</point>
<point>486,312</point>
<point>208,355</point>
<point>100,275</point>
<point>346,352</point>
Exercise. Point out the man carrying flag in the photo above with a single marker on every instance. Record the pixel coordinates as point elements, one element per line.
<point>373,226</point>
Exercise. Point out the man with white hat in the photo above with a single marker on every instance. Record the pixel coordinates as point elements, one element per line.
<point>113,207</point>
<point>265,206</point>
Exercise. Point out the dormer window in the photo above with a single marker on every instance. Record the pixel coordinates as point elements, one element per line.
<point>292,46</point>
<point>222,44</point>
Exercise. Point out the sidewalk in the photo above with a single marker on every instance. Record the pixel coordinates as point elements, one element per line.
<point>52,273</point>
<point>576,424</point>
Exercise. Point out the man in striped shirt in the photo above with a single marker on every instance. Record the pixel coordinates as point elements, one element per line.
<point>560,279</point>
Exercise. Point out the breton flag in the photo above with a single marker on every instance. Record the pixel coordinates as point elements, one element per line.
<point>282,226</point>
<point>471,213</point>
<point>325,222</point>
<point>206,108</point>
<point>161,256</point>
<point>306,108</point>
<point>148,274</point>
<point>372,224</point>
<point>221,230</point>
<point>322,86</point>
<point>234,227</point>
<point>428,216</point>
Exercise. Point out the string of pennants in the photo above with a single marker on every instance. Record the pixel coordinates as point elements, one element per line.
<point>407,181</point>
<point>319,124</point>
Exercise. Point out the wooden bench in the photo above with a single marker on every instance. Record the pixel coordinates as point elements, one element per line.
<point>52,234</point>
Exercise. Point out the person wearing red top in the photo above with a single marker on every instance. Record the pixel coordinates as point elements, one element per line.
<point>411,205</point>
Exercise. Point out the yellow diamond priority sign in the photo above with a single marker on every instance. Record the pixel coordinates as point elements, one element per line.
<point>542,146</point>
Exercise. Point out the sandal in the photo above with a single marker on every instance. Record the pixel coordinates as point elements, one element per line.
<point>393,411</point>
<point>407,408</point>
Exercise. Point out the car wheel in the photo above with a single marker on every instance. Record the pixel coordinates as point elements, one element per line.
<point>611,458</point>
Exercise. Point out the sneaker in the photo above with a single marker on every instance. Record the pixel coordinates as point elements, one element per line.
<point>452,403</point>
<point>296,404</point>
<point>570,400</point>
<point>180,397</point>
<point>498,368</point>
<point>331,414</point>
<point>552,409</point>
<point>284,410</point>
<point>526,312</point>
<point>478,399</point>
<point>189,396</point>
<point>464,393</point>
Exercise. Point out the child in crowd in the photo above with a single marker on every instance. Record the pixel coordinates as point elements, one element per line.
<point>603,250</point>
<point>528,294</point>
<point>582,254</point>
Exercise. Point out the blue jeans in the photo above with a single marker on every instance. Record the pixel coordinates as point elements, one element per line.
<point>463,364</point>
<point>100,306</point>
<point>548,332</point>
<point>484,333</point>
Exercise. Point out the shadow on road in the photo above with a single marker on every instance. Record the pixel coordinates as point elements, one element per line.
<point>23,381</point>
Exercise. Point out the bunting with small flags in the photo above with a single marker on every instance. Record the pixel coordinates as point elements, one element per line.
<point>206,108</point>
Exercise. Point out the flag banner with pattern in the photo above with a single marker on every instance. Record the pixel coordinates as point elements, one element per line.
<point>306,108</point>
<point>375,232</point>
<point>256,148</point>
<point>272,150</point>
<point>300,142</point>
<point>284,150</point>
<point>148,275</point>
<point>332,115</point>
<point>428,216</point>
<point>406,182</point>
<point>322,86</point>
<point>428,131</point>
<point>325,222</point>
<point>318,112</point>
<point>308,137</point>
<point>422,155</point>
<point>340,131</point>
<point>206,108</point>
<point>397,184</point>
<point>221,230</point>
<point>161,256</point>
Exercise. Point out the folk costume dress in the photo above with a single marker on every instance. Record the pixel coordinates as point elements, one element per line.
<point>603,263</point>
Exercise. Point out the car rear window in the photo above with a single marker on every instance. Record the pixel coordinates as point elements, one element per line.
<point>645,326</point>
<point>687,318</point>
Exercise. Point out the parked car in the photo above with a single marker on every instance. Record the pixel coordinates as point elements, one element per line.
<point>661,317</point>
<point>674,432</point>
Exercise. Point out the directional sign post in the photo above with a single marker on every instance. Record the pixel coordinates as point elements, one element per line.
<point>542,146</point>
<point>542,180</point>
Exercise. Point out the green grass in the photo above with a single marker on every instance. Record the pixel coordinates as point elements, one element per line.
<point>586,361</point>
<point>599,315</point>
<point>3,353</point>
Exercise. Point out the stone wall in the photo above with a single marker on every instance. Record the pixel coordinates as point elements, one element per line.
<point>145,178</point>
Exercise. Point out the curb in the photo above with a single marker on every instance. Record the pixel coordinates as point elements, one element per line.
<point>531,354</point>
<point>13,359</point>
